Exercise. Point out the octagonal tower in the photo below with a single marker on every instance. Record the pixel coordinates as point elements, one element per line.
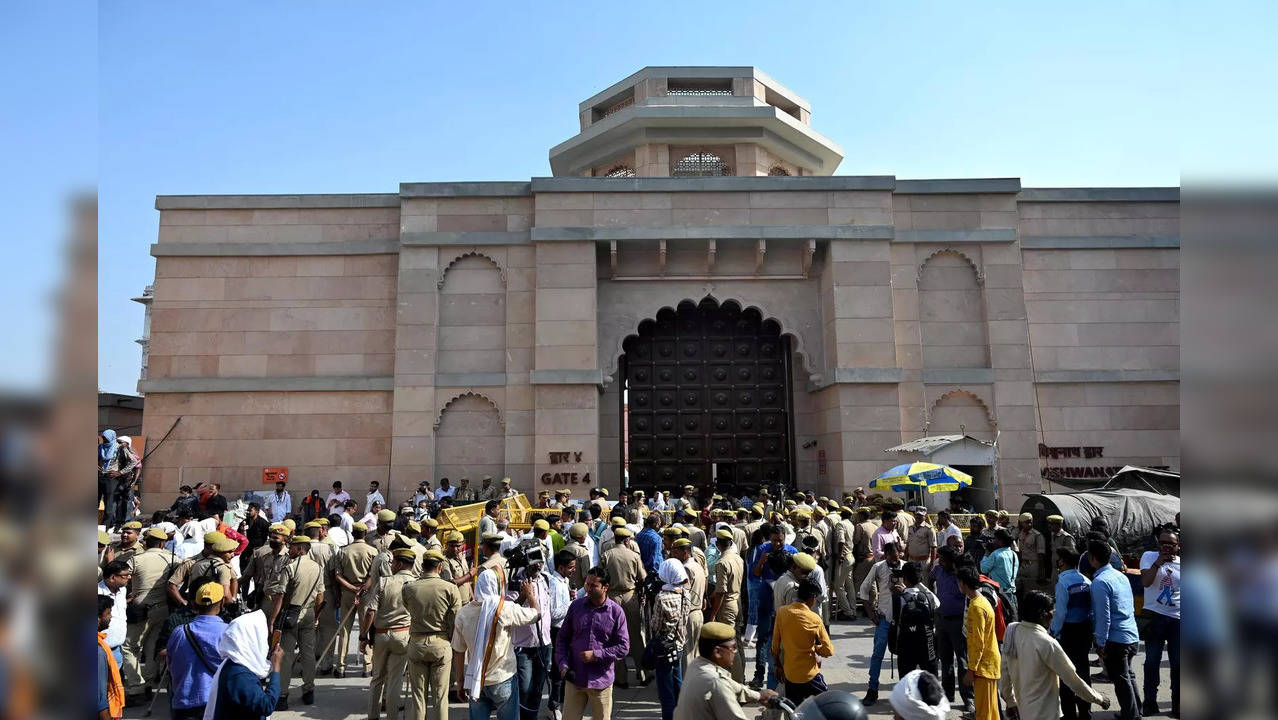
<point>695,122</point>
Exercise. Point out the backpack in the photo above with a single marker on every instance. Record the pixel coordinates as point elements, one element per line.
<point>1004,614</point>
<point>914,624</point>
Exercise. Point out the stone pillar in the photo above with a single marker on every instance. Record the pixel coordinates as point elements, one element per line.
<point>865,406</point>
<point>652,160</point>
<point>566,378</point>
<point>1014,402</point>
<point>416,328</point>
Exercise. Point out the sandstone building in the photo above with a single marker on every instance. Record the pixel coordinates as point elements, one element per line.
<point>693,258</point>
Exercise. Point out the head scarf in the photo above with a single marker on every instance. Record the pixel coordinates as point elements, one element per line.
<point>673,574</point>
<point>246,642</point>
<point>907,702</point>
<point>489,597</point>
<point>106,449</point>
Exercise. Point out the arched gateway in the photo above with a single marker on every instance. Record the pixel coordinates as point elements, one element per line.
<point>708,400</point>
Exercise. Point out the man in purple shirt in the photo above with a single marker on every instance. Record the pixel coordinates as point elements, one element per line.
<point>593,637</point>
<point>951,644</point>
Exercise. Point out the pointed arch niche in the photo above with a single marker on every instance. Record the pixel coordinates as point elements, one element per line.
<point>470,438</point>
<point>952,321</point>
<point>960,411</point>
<point>472,317</point>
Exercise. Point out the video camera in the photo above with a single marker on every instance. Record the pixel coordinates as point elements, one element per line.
<point>528,552</point>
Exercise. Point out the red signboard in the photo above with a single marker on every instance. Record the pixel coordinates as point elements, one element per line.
<point>272,475</point>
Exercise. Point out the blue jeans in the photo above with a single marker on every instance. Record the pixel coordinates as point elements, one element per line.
<point>1162,631</point>
<point>530,668</point>
<point>880,647</point>
<point>754,590</point>
<point>502,699</point>
<point>669,682</point>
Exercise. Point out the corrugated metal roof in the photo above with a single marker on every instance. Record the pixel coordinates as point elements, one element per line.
<point>929,445</point>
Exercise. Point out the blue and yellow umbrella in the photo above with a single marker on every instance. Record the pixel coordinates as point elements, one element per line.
<point>920,475</point>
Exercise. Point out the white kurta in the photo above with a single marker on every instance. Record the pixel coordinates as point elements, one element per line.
<point>1032,663</point>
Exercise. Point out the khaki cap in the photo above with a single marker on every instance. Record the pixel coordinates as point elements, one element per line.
<point>430,522</point>
<point>724,533</point>
<point>541,524</point>
<point>623,533</point>
<point>157,533</point>
<point>672,531</point>
<point>491,536</point>
<point>322,522</point>
<point>682,543</point>
<point>213,537</point>
<point>414,526</point>
<point>300,540</point>
<point>1027,516</point>
<point>454,536</point>
<point>603,491</point>
<point>578,530</point>
<point>434,554</point>
<point>819,512</point>
<point>505,481</point>
<point>103,538</point>
<point>279,528</point>
<point>132,525</point>
<point>225,545</point>
<point>312,525</point>
<point>618,522</point>
<point>717,631</point>
<point>544,493</point>
<point>1055,518</point>
<point>360,527</point>
<point>291,524</point>
<point>405,554</point>
<point>804,561</point>
<point>386,516</point>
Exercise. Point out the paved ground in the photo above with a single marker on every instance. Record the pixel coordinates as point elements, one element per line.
<point>847,670</point>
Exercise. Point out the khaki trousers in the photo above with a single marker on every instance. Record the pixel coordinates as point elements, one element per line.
<point>140,665</point>
<point>859,571</point>
<point>430,660</point>
<point>576,699</point>
<point>843,579</point>
<point>327,629</point>
<point>629,603</point>
<point>390,653</point>
<point>695,620</point>
<point>299,642</point>
<point>344,639</point>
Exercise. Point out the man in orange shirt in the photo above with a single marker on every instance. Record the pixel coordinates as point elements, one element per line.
<point>984,664</point>
<point>799,640</point>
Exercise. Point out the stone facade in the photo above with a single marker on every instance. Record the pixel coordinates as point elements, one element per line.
<point>459,329</point>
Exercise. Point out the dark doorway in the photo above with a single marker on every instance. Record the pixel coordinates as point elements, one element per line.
<point>707,394</point>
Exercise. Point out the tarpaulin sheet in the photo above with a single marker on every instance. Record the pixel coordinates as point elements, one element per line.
<point>1132,515</point>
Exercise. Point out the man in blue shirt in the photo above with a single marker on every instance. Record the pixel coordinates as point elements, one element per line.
<point>1002,565</point>
<point>1072,625</point>
<point>1114,620</point>
<point>193,654</point>
<point>649,542</point>
<point>766,572</point>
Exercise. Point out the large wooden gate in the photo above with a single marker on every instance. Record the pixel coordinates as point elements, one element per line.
<point>708,400</point>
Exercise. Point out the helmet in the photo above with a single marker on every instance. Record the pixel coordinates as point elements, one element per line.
<point>831,705</point>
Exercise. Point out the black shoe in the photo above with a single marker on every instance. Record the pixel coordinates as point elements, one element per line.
<point>281,705</point>
<point>646,680</point>
<point>138,700</point>
<point>339,673</point>
<point>308,697</point>
<point>1149,708</point>
<point>1175,712</point>
<point>870,698</point>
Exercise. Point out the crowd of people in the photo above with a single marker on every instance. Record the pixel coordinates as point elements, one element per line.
<point>600,594</point>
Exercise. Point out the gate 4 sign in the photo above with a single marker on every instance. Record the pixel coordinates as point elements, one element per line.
<point>563,477</point>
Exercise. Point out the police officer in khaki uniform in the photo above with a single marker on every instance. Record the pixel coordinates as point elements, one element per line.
<point>1033,552</point>
<point>625,567</point>
<point>265,563</point>
<point>294,599</point>
<point>324,553</point>
<point>429,538</point>
<point>488,491</point>
<point>147,595</point>
<point>386,625</point>
<point>432,603</point>
<point>862,539</point>
<point>681,550</point>
<point>465,494</point>
<point>455,566</point>
<point>128,546</point>
<point>709,690</point>
<point>577,546</point>
<point>215,562</point>
<point>1058,537</point>
<point>845,562</point>
<point>352,567</point>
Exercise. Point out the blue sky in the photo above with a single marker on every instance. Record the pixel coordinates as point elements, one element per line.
<point>346,97</point>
